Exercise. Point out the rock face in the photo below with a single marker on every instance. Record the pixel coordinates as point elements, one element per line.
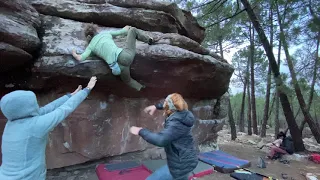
<point>12,56</point>
<point>100,128</point>
<point>18,34</point>
<point>159,66</point>
<point>100,125</point>
<point>187,23</point>
<point>157,16</point>
<point>19,38</point>
<point>21,10</point>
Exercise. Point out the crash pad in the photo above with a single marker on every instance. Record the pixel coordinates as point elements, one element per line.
<point>223,162</point>
<point>128,170</point>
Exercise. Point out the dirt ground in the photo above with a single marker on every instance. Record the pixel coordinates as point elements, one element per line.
<point>274,168</point>
<point>245,147</point>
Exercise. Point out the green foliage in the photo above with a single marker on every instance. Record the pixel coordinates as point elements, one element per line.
<point>224,33</point>
<point>301,21</point>
<point>240,61</point>
<point>260,101</point>
<point>236,104</point>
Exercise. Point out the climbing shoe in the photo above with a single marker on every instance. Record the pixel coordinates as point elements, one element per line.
<point>150,41</point>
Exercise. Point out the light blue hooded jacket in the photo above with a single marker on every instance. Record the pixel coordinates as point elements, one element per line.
<point>25,135</point>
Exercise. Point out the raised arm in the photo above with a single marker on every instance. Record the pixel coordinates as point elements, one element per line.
<point>54,104</point>
<point>85,54</point>
<point>151,109</point>
<point>172,131</point>
<point>47,122</point>
<point>82,56</point>
<point>58,102</point>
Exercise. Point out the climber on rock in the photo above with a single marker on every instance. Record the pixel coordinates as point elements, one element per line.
<point>25,135</point>
<point>119,59</point>
<point>176,138</point>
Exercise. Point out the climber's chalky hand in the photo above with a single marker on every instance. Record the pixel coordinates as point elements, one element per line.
<point>135,130</point>
<point>92,82</point>
<point>75,55</point>
<point>150,110</point>
<point>127,27</point>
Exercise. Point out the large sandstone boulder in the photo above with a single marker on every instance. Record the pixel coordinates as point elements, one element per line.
<point>163,68</point>
<point>188,24</point>
<point>21,35</point>
<point>12,56</point>
<point>22,10</point>
<point>100,125</point>
<point>156,16</point>
<point>19,38</point>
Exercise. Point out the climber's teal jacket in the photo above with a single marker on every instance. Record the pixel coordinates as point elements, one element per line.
<point>103,46</point>
<point>25,135</point>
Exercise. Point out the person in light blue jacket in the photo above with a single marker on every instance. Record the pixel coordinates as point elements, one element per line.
<point>25,135</point>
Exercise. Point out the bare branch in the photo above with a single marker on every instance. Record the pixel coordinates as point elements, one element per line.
<point>226,18</point>
<point>303,67</point>
<point>219,6</point>
<point>201,5</point>
<point>210,10</point>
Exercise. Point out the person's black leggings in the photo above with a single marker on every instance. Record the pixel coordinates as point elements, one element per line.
<point>127,55</point>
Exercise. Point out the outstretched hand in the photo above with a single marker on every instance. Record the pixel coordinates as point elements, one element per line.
<point>135,130</point>
<point>127,27</point>
<point>92,82</point>
<point>150,109</point>
<point>77,90</point>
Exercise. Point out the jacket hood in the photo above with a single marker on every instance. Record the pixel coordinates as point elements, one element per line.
<point>19,104</point>
<point>185,117</point>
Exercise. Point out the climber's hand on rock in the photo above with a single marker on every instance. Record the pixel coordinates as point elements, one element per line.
<point>92,82</point>
<point>150,109</point>
<point>127,27</point>
<point>77,90</point>
<point>75,55</point>
<point>135,130</point>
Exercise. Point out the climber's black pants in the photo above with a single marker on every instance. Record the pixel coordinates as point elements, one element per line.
<point>127,55</point>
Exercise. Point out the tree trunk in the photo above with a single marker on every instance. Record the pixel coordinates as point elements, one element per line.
<point>276,119</point>
<point>316,117</point>
<point>220,43</point>
<point>315,131</point>
<point>246,81</point>
<point>272,103</point>
<point>249,111</point>
<point>266,106</point>
<point>295,117</point>
<point>241,121</point>
<point>294,129</point>
<point>231,122</point>
<point>314,78</point>
<point>253,98</point>
<point>230,113</point>
<point>313,14</point>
